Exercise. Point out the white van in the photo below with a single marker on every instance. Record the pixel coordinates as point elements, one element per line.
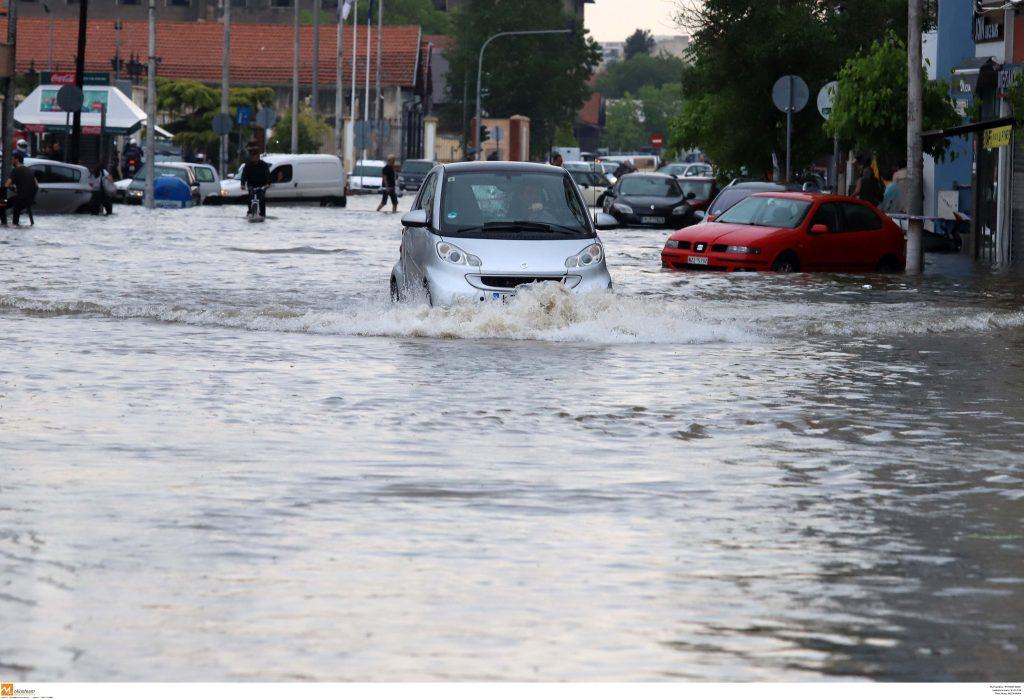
<point>304,178</point>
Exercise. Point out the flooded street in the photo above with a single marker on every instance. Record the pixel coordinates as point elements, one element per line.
<point>225,456</point>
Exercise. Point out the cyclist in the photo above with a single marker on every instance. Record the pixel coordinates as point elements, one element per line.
<point>256,178</point>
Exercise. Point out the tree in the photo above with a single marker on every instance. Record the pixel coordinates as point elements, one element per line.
<point>639,43</point>
<point>629,76</point>
<point>870,109</point>
<point>542,77</point>
<point>739,49</point>
<point>312,132</point>
<point>192,105</point>
<point>623,126</point>
<point>660,105</point>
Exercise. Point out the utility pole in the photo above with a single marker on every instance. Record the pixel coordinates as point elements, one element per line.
<point>118,24</point>
<point>480,70</point>
<point>9,90</point>
<point>339,86</point>
<point>225,78</point>
<point>151,107</point>
<point>366,98</point>
<point>377,95</point>
<point>314,98</point>
<point>915,148</point>
<point>1004,193</point>
<point>76,123</point>
<point>355,44</point>
<point>49,56</point>
<point>295,85</point>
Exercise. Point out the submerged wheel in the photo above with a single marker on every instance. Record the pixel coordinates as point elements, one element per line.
<point>396,295</point>
<point>426,293</point>
<point>889,263</point>
<point>786,262</point>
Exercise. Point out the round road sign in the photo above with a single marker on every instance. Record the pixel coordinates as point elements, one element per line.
<point>790,93</point>
<point>266,118</point>
<point>222,124</point>
<point>69,98</point>
<point>826,96</point>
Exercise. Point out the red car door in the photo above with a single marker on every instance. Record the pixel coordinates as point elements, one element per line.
<point>824,250</point>
<point>865,235</point>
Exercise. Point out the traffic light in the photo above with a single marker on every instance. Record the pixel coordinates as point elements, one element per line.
<point>485,133</point>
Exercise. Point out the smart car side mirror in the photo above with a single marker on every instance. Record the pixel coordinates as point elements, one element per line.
<point>416,219</point>
<point>605,222</point>
<point>819,229</point>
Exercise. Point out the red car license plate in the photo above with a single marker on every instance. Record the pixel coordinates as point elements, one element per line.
<point>694,260</point>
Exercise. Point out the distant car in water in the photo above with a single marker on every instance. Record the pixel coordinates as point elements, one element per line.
<point>650,199</point>
<point>599,166</point>
<point>411,176</point>
<point>304,178</point>
<point>703,191</point>
<point>63,187</point>
<point>136,191</point>
<point>593,186</point>
<point>367,177</point>
<point>686,170</point>
<point>207,177</point>
<point>478,231</point>
<point>790,232</point>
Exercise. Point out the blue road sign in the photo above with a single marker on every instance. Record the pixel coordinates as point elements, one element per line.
<point>243,116</point>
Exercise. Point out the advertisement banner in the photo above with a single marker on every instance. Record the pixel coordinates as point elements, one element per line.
<point>93,102</point>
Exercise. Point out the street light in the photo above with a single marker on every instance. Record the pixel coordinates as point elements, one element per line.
<point>480,68</point>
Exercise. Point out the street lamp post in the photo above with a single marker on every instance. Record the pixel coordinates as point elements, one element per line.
<point>480,68</point>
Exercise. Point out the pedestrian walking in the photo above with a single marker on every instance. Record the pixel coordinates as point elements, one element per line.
<point>557,160</point>
<point>101,185</point>
<point>389,177</point>
<point>23,181</point>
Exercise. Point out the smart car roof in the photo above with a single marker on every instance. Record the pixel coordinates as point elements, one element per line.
<point>501,166</point>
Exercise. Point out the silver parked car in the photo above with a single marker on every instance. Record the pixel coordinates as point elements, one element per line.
<point>478,231</point>
<point>63,187</point>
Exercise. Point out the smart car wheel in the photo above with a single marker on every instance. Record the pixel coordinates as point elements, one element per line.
<point>396,295</point>
<point>786,262</point>
<point>426,293</point>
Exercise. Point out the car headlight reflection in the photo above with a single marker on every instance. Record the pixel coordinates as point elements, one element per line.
<point>590,255</point>
<point>743,250</point>
<point>456,255</point>
<point>623,209</point>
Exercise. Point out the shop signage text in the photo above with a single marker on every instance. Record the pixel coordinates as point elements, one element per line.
<point>986,30</point>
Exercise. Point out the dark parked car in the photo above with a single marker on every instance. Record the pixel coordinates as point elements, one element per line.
<point>737,192</point>
<point>650,199</point>
<point>411,176</point>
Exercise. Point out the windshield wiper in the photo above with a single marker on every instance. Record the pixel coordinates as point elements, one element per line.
<point>529,226</point>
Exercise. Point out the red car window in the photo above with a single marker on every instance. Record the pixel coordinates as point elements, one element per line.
<point>860,218</point>
<point>829,215</point>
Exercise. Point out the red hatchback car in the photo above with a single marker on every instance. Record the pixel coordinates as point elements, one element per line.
<point>790,232</point>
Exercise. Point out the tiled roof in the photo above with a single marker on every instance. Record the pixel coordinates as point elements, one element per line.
<point>261,54</point>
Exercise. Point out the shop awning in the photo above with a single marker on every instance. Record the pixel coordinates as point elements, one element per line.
<point>39,111</point>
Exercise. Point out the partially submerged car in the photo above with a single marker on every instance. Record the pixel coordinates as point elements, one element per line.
<point>478,231</point>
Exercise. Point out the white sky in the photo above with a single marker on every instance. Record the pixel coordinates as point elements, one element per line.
<point>614,20</point>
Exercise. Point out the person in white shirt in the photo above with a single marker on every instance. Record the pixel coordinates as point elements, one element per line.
<point>99,182</point>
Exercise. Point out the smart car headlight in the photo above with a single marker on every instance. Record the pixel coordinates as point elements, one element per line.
<point>455,255</point>
<point>590,255</point>
<point>623,209</point>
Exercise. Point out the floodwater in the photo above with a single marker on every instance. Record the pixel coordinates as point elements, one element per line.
<point>225,456</point>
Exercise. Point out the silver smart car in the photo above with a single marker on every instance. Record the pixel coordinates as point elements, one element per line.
<point>477,231</point>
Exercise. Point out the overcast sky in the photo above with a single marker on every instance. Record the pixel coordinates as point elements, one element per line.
<point>614,20</point>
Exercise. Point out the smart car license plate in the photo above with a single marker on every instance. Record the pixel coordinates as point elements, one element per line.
<point>694,260</point>
<point>652,219</point>
<point>498,296</point>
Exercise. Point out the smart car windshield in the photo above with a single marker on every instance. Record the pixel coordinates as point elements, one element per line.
<point>650,187</point>
<point>774,212</point>
<point>513,205</point>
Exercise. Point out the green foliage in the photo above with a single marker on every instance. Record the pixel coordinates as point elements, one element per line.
<point>629,76</point>
<point>542,77</point>
<point>739,48</point>
<point>1015,96</point>
<point>623,127</point>
<point>870,110</point>
<point>192,106</point>
<point>399,12</point>
<point>660,105</point>
<point>565,136</point>
<point>312,132</point>
<point>639,43</point>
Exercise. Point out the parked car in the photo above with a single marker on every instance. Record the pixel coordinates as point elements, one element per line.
<point>367,177</point>
<point>304,178</point>
<point>686,170</point>
<point>411,176</point>
<point>649,199</point>
<point>703,189</point>
<point>641,161</point>
<point>736,192</point>
<point>790,232</point>
<point>593,186</point>
<point>478,231</point>
<point>137,189</point>
<point>63,187</point>
<point>207,177</point>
